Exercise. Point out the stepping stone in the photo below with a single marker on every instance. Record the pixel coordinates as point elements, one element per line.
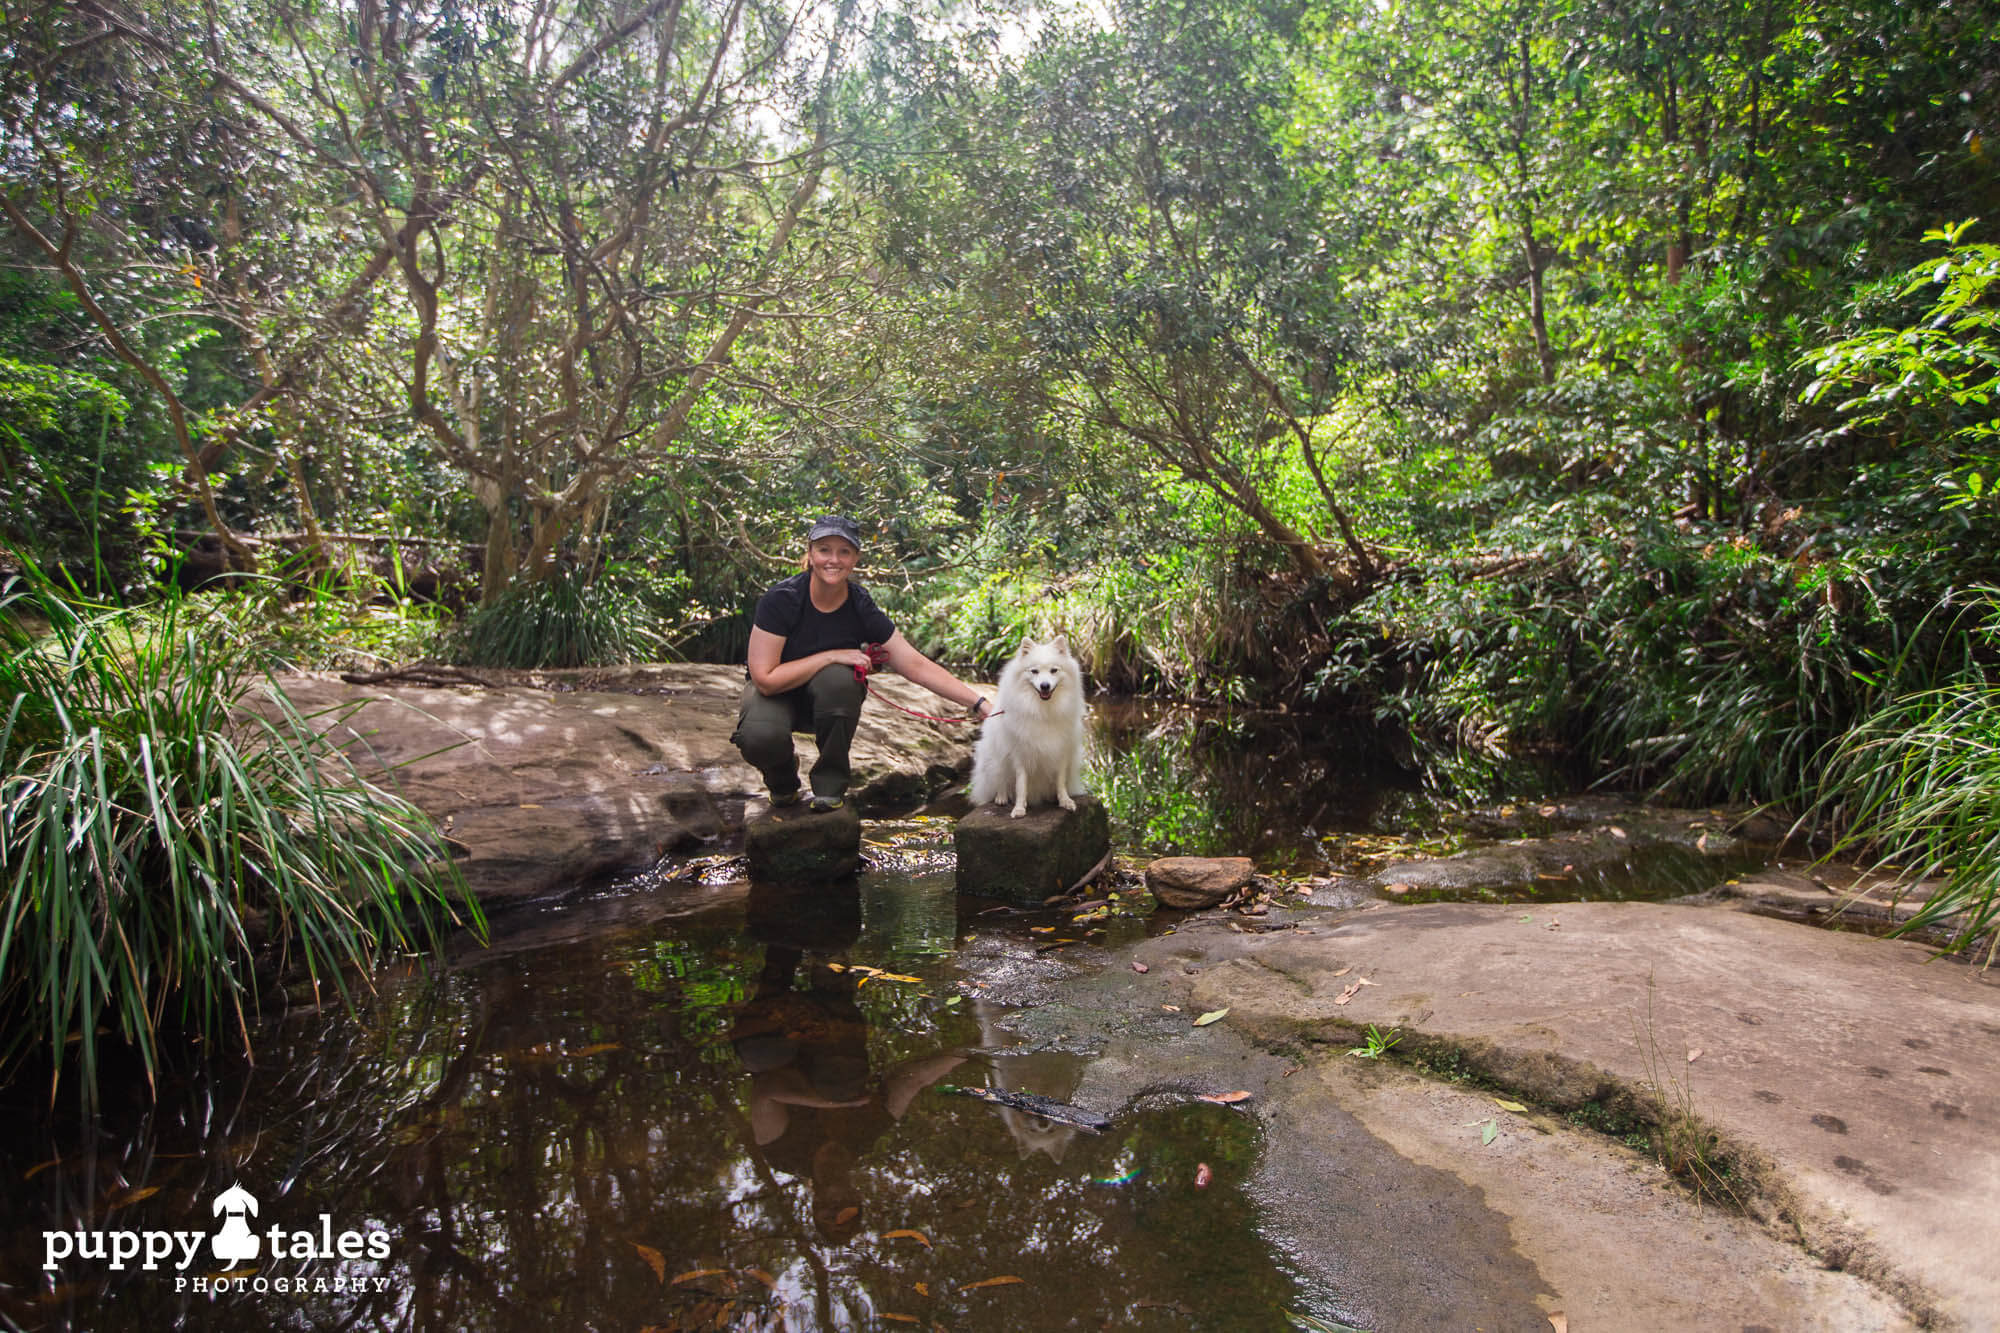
<point>1029,859</point>
<point>796,845</point>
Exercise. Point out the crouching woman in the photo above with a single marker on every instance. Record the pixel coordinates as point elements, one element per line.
<point>805,642</point>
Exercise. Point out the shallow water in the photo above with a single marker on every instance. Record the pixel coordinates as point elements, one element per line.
<point>677,1105</point>
<point>643,1111</point>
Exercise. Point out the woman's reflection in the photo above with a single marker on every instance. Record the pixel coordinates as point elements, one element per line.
<point>815,1105</point>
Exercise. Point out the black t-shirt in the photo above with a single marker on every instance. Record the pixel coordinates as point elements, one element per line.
<point>787,611</point>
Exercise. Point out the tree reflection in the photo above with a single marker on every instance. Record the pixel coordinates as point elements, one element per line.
<point>718,1121</point>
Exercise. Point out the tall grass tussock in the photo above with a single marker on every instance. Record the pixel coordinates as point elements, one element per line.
<point>163,834</point>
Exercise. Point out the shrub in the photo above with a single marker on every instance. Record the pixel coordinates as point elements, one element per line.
<point>1917,786</point>
<point>567,620</point>
<point>155,831</point>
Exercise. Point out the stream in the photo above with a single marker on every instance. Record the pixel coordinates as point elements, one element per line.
<point>689,1102</point>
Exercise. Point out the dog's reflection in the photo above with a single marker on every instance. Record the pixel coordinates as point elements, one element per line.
<point>816,1107</point>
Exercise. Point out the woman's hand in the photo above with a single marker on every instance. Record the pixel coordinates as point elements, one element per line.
<point>847,657</point>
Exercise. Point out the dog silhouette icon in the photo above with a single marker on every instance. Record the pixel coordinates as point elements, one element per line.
<point>236,1242</point>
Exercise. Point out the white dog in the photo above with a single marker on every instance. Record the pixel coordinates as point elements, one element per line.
<point>1031,748</point>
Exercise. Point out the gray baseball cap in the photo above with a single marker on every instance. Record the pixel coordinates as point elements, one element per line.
<point>835,525</point>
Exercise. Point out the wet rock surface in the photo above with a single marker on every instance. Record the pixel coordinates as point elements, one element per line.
<point>577,776</point>
<point>1852,1085</point>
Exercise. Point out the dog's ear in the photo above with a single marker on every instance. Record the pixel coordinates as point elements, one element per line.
<point>1060,643</point>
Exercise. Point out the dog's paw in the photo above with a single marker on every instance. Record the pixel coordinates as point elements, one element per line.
<point>1018,812</point>
<point>1065,800</point>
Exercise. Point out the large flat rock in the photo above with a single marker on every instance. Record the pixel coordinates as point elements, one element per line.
<point>548,789</point>
<point>1858,1079</point>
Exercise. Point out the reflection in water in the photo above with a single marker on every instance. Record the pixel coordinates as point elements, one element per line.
<point>1177,780</point>
<point>814,1106</point>
<point>615,1120</point>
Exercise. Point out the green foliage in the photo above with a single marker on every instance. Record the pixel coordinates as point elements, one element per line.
<point>67,464</point>
<point>567,620</point>
<point>1916,785</point>
<point>169,823</point>
<point>1930,385</point>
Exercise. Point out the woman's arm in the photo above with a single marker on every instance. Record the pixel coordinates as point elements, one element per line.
<point>771,676</point>
<point>910,664</point>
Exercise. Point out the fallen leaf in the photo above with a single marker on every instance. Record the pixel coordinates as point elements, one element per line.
<point>1041,930</point>
<point>1212,1016</point>
<point>34,1171</point>
<point>906,1234</point>
<point>1225,1098</point>
<point>1202,1175</point>
<point>769,1282</point>
<point>1506,1105</point>
<point>900,1318</point>
<point>1007,1280</point>
<point>1293,1070</point>
<point>654,1260</point>
<point>1364,981</point>
<point>1353,989</point>
<point>1617,832</point>
<point>698,1273</point>
<point>1489,1132</point>
<point>923,1288</point>
<point>1171,1008</point>
<point>1559,1321</point>
<point>1345,970</point>
<point>1701,843</point>
<point>846,1215</point>
<point>1694,1055</point>
<point>599,1048</point>
<point>1398,888</point>
<point>126,1198</point>
<point>1138,966</point>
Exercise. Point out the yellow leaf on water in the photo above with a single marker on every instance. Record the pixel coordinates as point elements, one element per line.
<point>125,1198</point>
<point>846,1215</point>
<point>901,1318</point>
<point>897,976</point>
<point>1213,1015</point>
<point>599,1048</point>
<point>906,1234</point>
<point>654,1260</point>
<point>698,1273</point>
<point>1005,1281</point>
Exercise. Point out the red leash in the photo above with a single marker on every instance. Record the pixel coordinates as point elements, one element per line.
<point>878,658</point>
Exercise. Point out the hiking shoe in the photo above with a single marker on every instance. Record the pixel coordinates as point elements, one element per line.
<point>820,805</point>
<point>790,798</point>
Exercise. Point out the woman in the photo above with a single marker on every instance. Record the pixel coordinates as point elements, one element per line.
<point>805,641</point>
